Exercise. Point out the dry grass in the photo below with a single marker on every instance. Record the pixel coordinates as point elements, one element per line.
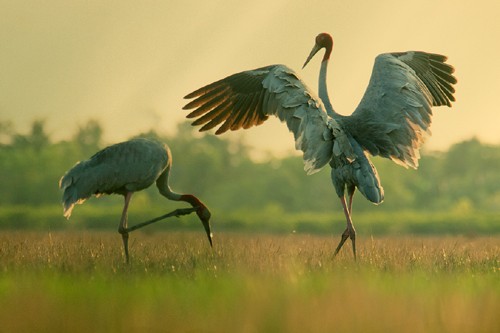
<point>260,283</point>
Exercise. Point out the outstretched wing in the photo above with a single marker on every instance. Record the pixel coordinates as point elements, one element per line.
<point>394,115</point>
<point>247,99</point>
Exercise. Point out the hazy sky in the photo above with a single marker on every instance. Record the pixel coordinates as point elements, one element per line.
<point>128,64</point>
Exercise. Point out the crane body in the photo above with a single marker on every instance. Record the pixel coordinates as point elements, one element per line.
<point>391,120</point>
<point>125,168</point>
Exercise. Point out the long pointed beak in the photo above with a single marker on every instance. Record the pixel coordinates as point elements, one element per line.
<point>314,50</point>
<point>206,225</point>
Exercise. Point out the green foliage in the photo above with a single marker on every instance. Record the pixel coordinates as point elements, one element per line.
<point>104,214</point>
<point>463,181</point>
<point>88,139</point>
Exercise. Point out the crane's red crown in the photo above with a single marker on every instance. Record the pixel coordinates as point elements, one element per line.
<point>324,40</point>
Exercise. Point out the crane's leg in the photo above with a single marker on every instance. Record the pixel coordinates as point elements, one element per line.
<point>177,213</point>
<point>122,228</point>
<point>350,193</point>
<point>349,232</point>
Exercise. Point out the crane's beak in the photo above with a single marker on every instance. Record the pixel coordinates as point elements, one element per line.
<point>205,215</point>
<point>206,225</point>
<point>314,50</point>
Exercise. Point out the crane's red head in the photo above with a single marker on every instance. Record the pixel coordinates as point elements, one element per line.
<point>202,212</point>
<point>323,40</point>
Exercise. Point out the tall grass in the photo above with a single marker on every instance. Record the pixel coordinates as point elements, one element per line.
<point>78,282</point>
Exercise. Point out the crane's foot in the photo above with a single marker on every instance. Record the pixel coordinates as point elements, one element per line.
<point>343,238</point>
<point>348,233</point>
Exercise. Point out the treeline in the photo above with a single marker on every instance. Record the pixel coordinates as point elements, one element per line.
<point>222,173</point>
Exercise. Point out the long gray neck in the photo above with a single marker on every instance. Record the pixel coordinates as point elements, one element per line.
<point>166,191</point>
<point>323,90</point>
<point>164,188</point>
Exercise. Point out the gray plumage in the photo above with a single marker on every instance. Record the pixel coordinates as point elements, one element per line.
<point>392,119</point>
<point>129,166</point>
<point>248,98</point>
<point>125,168</point>
<point>394,116</point>
<point>360,173</point>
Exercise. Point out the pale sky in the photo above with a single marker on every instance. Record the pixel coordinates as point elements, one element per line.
<point>128,64</point>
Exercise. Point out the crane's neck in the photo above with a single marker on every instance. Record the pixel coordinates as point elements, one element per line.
<point>323,89</point>
<point>166,191</point>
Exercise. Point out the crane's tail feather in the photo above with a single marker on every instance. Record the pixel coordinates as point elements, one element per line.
<point>75,191</point>
<point>70,199</point>
<point>365,173</point>
<point>369,183</point>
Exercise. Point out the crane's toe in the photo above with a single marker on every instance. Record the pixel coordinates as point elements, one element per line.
<point>349,232</point>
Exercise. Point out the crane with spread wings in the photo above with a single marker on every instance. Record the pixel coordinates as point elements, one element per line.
<point>392,120</point>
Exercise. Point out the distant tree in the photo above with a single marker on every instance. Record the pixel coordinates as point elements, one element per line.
<point>89,137</point>
<point>470,171</point>
<point>222,172</point>
<point>6,131</point>
<point>37,139</point>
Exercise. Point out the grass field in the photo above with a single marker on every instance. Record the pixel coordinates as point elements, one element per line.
<point>77,282</point>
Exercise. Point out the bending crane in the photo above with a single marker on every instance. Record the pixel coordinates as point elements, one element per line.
<point>125,168</point>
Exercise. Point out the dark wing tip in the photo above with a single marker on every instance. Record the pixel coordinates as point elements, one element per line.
<point>437,57</point>
<point>196,93</point>
<point>220,130</point>
<point>233,102</point>
<point>205,89</point>
<point>435,73</point>
<point>190,106</point>
<point>443,72</point>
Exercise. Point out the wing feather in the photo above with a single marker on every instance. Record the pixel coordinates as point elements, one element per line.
<point>215,97</point>
<point>395,113</point>
<point>250,97</point>
<point>211,115</point>
<point>216,120</point>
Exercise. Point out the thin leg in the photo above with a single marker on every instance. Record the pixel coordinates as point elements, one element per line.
<point>350,193</point>
<point>349,232</point>
<point>176,213</point>
<point>122,228</point>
